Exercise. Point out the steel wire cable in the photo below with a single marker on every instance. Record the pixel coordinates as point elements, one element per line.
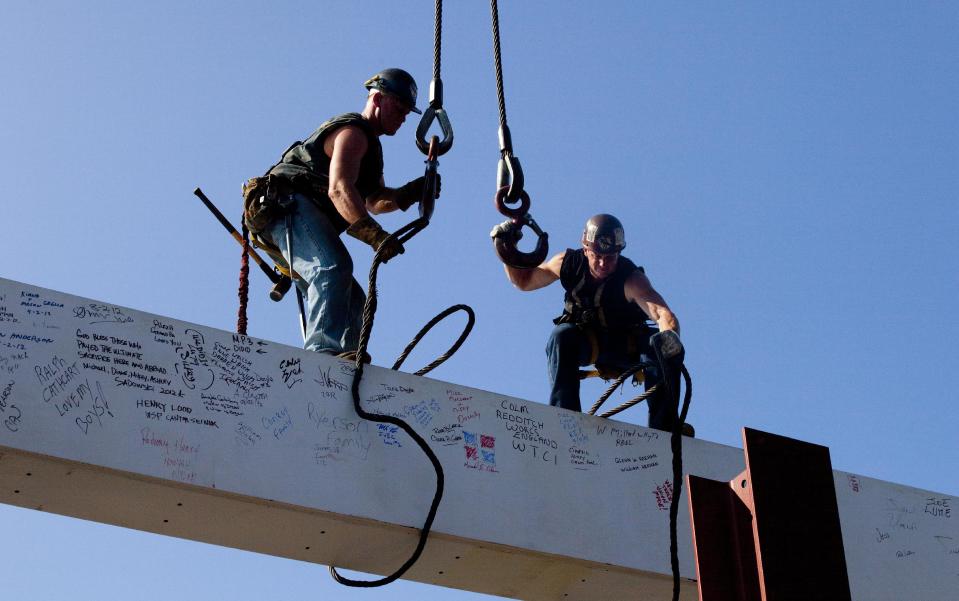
<point>616,383</point>
<point>630,403</point>
<point>676,447</point>
<point>437,38</point>
<point>498,65</point>
<point>369,311</point>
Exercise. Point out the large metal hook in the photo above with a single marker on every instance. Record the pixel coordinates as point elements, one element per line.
<point>505,242</point>
<point>428,200</point>
<point>515,212</point>
<point>433,112</point>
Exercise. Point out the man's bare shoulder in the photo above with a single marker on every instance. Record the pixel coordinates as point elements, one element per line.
<point>348,140</point>
<point>554,265</point>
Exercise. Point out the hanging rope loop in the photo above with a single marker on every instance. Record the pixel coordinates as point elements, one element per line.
<point>511,198</point>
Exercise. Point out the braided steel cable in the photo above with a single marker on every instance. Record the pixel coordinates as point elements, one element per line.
<point>676,444</point>
<point>630,403</point>
<point>437,38</point>
<point>471,320</point>
<point>369,311</point>
<point>676,447</point>
<point>498,64</point>
<point>616,383</point>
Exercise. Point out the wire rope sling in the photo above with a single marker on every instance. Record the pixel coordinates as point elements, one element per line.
<point>511,199</point>
<point>434,148</point>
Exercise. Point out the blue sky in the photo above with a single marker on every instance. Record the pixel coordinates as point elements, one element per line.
<point>786,173</point>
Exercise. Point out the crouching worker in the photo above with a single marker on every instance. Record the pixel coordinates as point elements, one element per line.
<point>608,301</point>
<point>330,183</point>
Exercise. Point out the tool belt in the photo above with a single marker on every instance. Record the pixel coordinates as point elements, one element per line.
<point>263,198</point>
<point>261,201</point>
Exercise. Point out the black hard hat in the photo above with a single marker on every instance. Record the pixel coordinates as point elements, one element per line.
<point>604,234</point>
<point>397,82</point>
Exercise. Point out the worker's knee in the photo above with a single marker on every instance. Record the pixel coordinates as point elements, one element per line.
<point>564,336</point>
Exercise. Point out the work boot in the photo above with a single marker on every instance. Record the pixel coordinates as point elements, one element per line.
<point>351,356</point>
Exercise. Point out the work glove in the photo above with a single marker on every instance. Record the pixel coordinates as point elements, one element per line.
<point>668,343</point>
<point>507,230</point>
<point>412,192</point>
<point>369,231</point>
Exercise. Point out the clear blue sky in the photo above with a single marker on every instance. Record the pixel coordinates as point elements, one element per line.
<point>786,172</point>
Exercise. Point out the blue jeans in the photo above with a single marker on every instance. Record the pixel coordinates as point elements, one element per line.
<point>569,348</point>
<point>333,299</point>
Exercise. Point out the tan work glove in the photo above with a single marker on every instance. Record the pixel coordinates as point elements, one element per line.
<point>369,231</point>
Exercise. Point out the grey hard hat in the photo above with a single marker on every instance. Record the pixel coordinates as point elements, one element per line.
<point>604,234</point>
<point>396,82</point>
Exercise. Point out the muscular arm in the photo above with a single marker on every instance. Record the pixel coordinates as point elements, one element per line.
<point>538,277</point>
<point>346,147</point>
<point>383,200</point>
<point>640,290</point>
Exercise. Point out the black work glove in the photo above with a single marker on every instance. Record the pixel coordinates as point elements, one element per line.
<point>669,345</point>
<point>369,231</point>
<point>507,230</point>
<point>411,192</point>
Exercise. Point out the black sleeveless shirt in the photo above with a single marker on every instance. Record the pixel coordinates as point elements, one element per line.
<point>307,168</point>
<point>598,304</point>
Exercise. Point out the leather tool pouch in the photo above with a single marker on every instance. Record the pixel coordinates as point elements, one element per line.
<point>261,201</point>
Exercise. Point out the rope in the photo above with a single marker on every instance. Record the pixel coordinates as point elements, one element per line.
<point>498,62</point>
<point>616,383</point>
<point>369,310</point>
<point>676,446</point>
<point>437,38</point>
<point>676,443</point>
<point>629,404</point>
<point>244,291</point>
<point>471,319</point>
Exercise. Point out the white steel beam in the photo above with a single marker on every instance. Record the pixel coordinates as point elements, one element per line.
<point>123,417</point>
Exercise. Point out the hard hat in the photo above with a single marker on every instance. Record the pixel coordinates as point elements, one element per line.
<point>604,234</point>
<point>397,82</point>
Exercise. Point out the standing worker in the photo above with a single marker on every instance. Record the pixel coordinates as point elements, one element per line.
<point>330,183</point>
<point>608,300</point>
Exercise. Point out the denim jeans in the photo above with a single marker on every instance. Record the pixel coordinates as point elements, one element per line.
<point>333,299</point>
<point>569,348</point>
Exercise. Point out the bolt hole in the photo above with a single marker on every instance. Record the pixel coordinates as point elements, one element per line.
<point>307,548</point>
<point>29,474</point>
<point>583,580</point>
<point>17,492</point>
<point>457,557</point>
<point>322,531</point>
<point>179,504</point>
<point>166,521</point>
